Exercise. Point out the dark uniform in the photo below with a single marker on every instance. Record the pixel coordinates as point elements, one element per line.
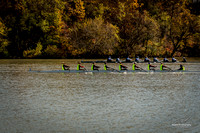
<point>94,67</point>
<point>65,67</point>
<point>122,67</point>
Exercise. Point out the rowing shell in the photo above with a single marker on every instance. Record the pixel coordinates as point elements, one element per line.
<point>132,62</point>
<point>107,71</point>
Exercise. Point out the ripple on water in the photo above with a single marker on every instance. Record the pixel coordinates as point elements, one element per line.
<point>85,102</point>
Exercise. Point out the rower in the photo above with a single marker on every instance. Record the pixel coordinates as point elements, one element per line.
<point>155,59</point>
<point>150,67</point>
<point>173,59</point>
<point>79,67</point>
<point>128,59</point>
<point>181,67</point>
<point>109,59</point>
<point>162,67</point>
<point>184,59</point>
<point>65,67</point>
<point>137,59</point>
<point>122,67</point>
<point>146,59</point>
<point>135,67</point>
<point>106,67</point>
<point>118,60</point>
<point>94,67</point>
<point>165,60</point>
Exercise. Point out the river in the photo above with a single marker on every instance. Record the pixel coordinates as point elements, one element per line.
<point>97,102</point>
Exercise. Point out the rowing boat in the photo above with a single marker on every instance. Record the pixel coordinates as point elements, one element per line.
<point>133,62</point>
<point>109,71</point>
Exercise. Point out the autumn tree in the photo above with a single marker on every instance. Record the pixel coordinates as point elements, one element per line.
<point>10,12</point>
<point>182,25</point>
<point>123,16</point>
<point>94,37</point>
<point>74,11</point>
<point>3,40</point>
<point>191,45</point>
<point>137,29</point>
<point>71,28</point>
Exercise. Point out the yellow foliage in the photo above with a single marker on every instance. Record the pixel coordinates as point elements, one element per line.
<point>51,50</point>
<point>33,52</point>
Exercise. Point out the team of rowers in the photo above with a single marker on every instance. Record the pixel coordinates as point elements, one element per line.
<point>137,59</point>
<point>121,67</point>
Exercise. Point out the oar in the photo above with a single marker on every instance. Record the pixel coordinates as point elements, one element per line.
<point>113,69</point>
<point>85,69</point>
<point>142,69</point>
<point>125,67</point>
<point>169,69</point>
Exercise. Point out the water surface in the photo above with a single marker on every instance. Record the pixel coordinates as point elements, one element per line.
<point>99,102</point>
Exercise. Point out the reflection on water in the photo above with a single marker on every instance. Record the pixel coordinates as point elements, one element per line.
<point>99,102</point>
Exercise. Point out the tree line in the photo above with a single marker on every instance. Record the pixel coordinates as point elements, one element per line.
<point>97,29</point>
